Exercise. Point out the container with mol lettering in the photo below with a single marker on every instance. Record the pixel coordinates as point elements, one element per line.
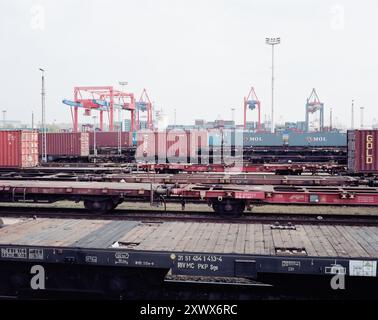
<point>262,139</point>
<point>317,139</point>
<point>363,151</point>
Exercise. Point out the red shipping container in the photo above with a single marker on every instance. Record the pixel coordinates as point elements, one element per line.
<point>109,139</point>
<point>185,144</point>
<point>146,142</point>
<point>65,144</point>
<point>199,140</point>
<point>19,149</point>
<point>158,145</point>
<point>161,145</point>
<point>177,144</point>
<point>363,151</point>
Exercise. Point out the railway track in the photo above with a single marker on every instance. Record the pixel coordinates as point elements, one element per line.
<point>278,220</point>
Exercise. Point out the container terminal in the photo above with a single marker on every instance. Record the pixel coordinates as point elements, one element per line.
<point>104,196</point>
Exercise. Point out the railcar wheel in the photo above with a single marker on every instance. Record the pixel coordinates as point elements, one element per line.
<point>229,208</point>
<point>100,206</point>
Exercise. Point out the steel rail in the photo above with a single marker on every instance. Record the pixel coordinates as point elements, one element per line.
<point>278,220</point>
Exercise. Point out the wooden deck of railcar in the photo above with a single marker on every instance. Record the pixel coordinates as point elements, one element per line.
<point>210,249</point>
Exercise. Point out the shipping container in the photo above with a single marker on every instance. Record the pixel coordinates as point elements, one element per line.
<point>110,139</point>
<point>146,148</point>
<point>184,145</point>
<point>159,146</point>
<point>198,140</point>
<point>252,139</point>
<point>19,149</point>
<point>177,145</point>
<point>170,145</point>
<point>65,144</point>
<point>363,151</point>
<point>317,139</point>
<point>215,138</point>
<point>227,137</point>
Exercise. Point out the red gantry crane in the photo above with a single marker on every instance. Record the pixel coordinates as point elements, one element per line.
<point>102,99</point>
<point>313,105</point>
<point>144,105</point>
<point>251,102</point>
<point>123,101</point>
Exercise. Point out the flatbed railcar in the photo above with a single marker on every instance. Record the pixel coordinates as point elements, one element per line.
<point>103,156</point>
<point>226,200</point>
<point>109,155</point>
<point>182,178</point>
<point>68,169</point>
<point>100,197</point>
<point>118,257</point>
<point>128,155</point>
<point>232,200</point>
<point>276,168</point>
<point>237,179</point>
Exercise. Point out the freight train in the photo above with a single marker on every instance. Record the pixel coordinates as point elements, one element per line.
<point>20,148</point>
<point>210,138</point>
<point>198,146</point>
<point>207,145</point>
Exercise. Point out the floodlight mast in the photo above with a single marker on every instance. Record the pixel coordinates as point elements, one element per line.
<point>272,42</point>
<point>43,104</point>
<point>122,84</point>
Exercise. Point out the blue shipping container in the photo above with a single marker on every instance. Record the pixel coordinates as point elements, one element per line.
<point>251,139</point>
<point>318,139</point>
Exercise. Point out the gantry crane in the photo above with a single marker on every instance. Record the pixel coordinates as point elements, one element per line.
<point>102,99</point>
<point>313,105</point>
<point>251,102</point>
<point>123,101</point>
<point>144,105</point>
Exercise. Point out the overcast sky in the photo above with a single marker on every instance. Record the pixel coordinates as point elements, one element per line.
<point>199,57</point>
